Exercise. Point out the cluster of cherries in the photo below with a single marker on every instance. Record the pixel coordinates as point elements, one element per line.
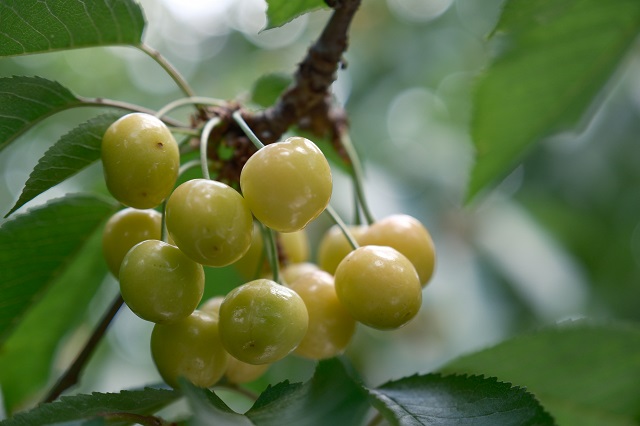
<point>368,274</point>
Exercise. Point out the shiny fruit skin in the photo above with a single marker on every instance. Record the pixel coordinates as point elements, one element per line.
<point>334,246</point>
<point>140,159</point>
<point>287,184</point>
<point>294,245</point>
<point>262,321</point>
<point>237,371</point>
<point>407,235</point>
<point>293,271</point>
<point>331,327</point>
<point>209,221</point>
<point>212,305</point>
<point>379,287</point>
<point>189,348</point>
<point>159,283</point>
<point>293,248</point>
<point>124,230</point>
<point>253,264</point>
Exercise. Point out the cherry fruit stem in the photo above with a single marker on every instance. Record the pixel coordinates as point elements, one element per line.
<point>357,175</point>
<point>271,249</point>
<point>191,100</point>
<point>169,68</point>
<point>104,102</point>
<point>237,116</point>
<point>204,141</point>
<point>343,227</point>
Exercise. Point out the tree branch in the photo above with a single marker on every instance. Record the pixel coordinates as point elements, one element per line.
<point>313,78</point>
<point>307,102</point>
<point>72,375</point>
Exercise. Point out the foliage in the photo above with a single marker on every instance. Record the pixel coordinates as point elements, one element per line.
<point>553,64</point>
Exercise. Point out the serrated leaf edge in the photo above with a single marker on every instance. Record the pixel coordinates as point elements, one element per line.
<point>20,202</point>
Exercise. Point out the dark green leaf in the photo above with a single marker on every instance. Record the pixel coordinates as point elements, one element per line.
<point>583,374</point>
<point>81,407</point>
<point>268,88</point>
<point>209,409</point>
<point>35,26</point>
<point>457,400</point>
<point>555,57</point>
<point>25,359</point>
<point>279,12</point>
<point>71,153</point>
<point>24,101</point>
<point>36,247</point>
<point>331,397</point>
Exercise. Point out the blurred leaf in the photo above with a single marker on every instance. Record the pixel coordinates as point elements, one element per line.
<point>84,407</point>
<point>35,26</point>
<point>268,88</point>
<point>279,12</point>
<point>70,154</point>
<point>555,57</point>
<point>24,101</point>
<point>25,359</point>
<point>331,397</point>
<point>457,400</point>
<point>583,374</point>
<point>209,409</point>
<point>36,247</point>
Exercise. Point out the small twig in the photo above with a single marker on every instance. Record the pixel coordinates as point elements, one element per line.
<point>72,375</point>
<point>313,78</point>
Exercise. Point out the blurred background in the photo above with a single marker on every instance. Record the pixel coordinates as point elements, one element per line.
<point>558,239</point>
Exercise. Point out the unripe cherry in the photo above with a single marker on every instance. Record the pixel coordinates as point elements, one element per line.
<point>407,235</point>
<point>124,230</point>
<point>287,184</point>
<point>262,321</point>
<point>140,160</point>
<point>209,221</point>
<point>379,287</point>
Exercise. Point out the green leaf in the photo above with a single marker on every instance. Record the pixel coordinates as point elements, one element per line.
<point>268,88</point>
<point>24,101</point>
<point>457,400</point>
<point>86,407</point>
<point>209,409</point>
<point>555,57</point>
<point>331,397</point>
<point>71,153</point>
<point>583,374</point>
<point>36,247</point>
<point>35,26</point>
<point>26,357</point>
<point>279,12</point>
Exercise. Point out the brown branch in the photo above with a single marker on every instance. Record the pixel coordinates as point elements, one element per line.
<point>313,78</point>
<point>307,102</point>
<point>72,375</point>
